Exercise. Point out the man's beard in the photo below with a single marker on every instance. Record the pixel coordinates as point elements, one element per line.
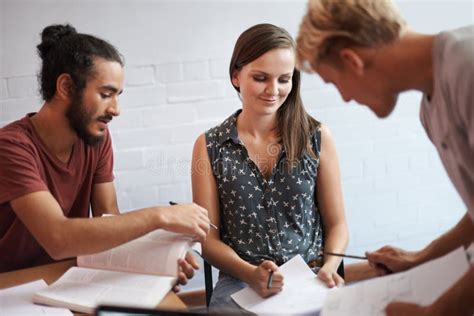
<point>79,119</point>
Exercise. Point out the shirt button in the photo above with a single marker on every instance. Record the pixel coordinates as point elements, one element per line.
<point>444,145</point>
<point>267,190</point>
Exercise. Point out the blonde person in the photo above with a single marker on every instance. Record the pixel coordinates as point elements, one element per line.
<point>268,175</point>
<point>364,48</point>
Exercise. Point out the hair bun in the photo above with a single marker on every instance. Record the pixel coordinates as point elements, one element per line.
<point>51,35</point>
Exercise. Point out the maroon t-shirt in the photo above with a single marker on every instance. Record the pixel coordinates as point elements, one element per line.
<point>26,166</point>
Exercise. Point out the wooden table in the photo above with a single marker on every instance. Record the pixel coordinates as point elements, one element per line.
<point>52,272</point>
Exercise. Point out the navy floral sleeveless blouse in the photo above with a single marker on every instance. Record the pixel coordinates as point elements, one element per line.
<point>261,219</point>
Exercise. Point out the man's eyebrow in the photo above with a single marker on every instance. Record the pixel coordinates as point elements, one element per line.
<point>112,88</point>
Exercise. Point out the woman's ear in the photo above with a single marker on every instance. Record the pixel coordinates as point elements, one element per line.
<point>64,86</point>
<point>352,61</point>
<point>235,79</point>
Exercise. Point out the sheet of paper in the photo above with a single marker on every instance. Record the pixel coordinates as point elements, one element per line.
<point>302,293</point>
<point>17,301</point>
<point>421,285</point>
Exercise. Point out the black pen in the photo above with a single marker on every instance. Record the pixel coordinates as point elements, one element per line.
<point>211,224</point>
<point>379,265</point>
<point>344,255</point>
<point>270,280</point>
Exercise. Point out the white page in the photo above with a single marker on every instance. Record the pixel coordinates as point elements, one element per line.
<point>155,253</point>
<point>302,292</point>
<point>17,301</point>
<point>83,289</point>
<point>421,285</point>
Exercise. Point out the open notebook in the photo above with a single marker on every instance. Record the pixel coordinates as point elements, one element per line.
<point>139,273</point>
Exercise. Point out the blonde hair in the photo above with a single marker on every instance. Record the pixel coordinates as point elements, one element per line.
<point>331,25</point>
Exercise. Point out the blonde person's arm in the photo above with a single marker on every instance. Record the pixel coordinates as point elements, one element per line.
<point>396,259</point>
<point>214,250</point>
<point>457,300</point>
<point>331,207</point>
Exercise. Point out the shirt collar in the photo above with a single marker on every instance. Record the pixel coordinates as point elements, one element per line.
<point>228,129</point>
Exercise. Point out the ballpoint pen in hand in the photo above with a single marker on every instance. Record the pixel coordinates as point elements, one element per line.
<point>270,280</point>
<point>210,224</point>
<point>379,265</point>
<point>343,255</point>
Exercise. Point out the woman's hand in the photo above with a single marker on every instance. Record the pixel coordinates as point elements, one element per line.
<point>329,276</point>
<point>259,279</point>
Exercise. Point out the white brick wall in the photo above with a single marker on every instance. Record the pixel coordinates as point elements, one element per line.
<point>22,86</point>
<point>177,86</point>
<point>3,89</point>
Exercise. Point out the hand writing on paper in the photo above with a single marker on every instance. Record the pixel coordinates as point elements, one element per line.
<point>406,309</point>
<point>187,267</point>
<point>392,259</point>
<point>259,279</point>
<point>329,276</point>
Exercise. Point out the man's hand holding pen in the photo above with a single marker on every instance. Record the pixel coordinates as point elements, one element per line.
<point>210,224</point>
<point>189,219</point>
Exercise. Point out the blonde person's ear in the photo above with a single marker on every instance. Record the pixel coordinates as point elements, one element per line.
<point>352,61</point>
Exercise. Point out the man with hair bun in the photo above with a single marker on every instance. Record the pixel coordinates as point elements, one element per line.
<point>57,164</point>
<point>364,48</point>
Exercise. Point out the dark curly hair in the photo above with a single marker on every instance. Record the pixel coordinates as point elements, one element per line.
<point>63,50</point>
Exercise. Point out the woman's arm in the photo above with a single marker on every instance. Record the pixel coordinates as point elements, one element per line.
<point>331,207</point>
<point>214,250</point>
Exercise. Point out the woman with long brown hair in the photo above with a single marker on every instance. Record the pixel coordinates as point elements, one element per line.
<point>268,175</point>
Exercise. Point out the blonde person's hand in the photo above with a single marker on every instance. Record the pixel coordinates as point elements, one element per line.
<point>189,219</point>
<point>259,279</point>
<point>329,276</point>
<point>407,309</point>
<point>391,259</point>
<point>186,270</point>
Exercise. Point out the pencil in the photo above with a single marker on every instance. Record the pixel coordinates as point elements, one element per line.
<point>211,224</point>
<point>344,255</point>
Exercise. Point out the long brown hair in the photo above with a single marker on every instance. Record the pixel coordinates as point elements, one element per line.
<point>295,125</point>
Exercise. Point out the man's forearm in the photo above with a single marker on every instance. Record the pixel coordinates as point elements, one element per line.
<point>91,235</point>
<point>458,300</point>
<point>460,235</point>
